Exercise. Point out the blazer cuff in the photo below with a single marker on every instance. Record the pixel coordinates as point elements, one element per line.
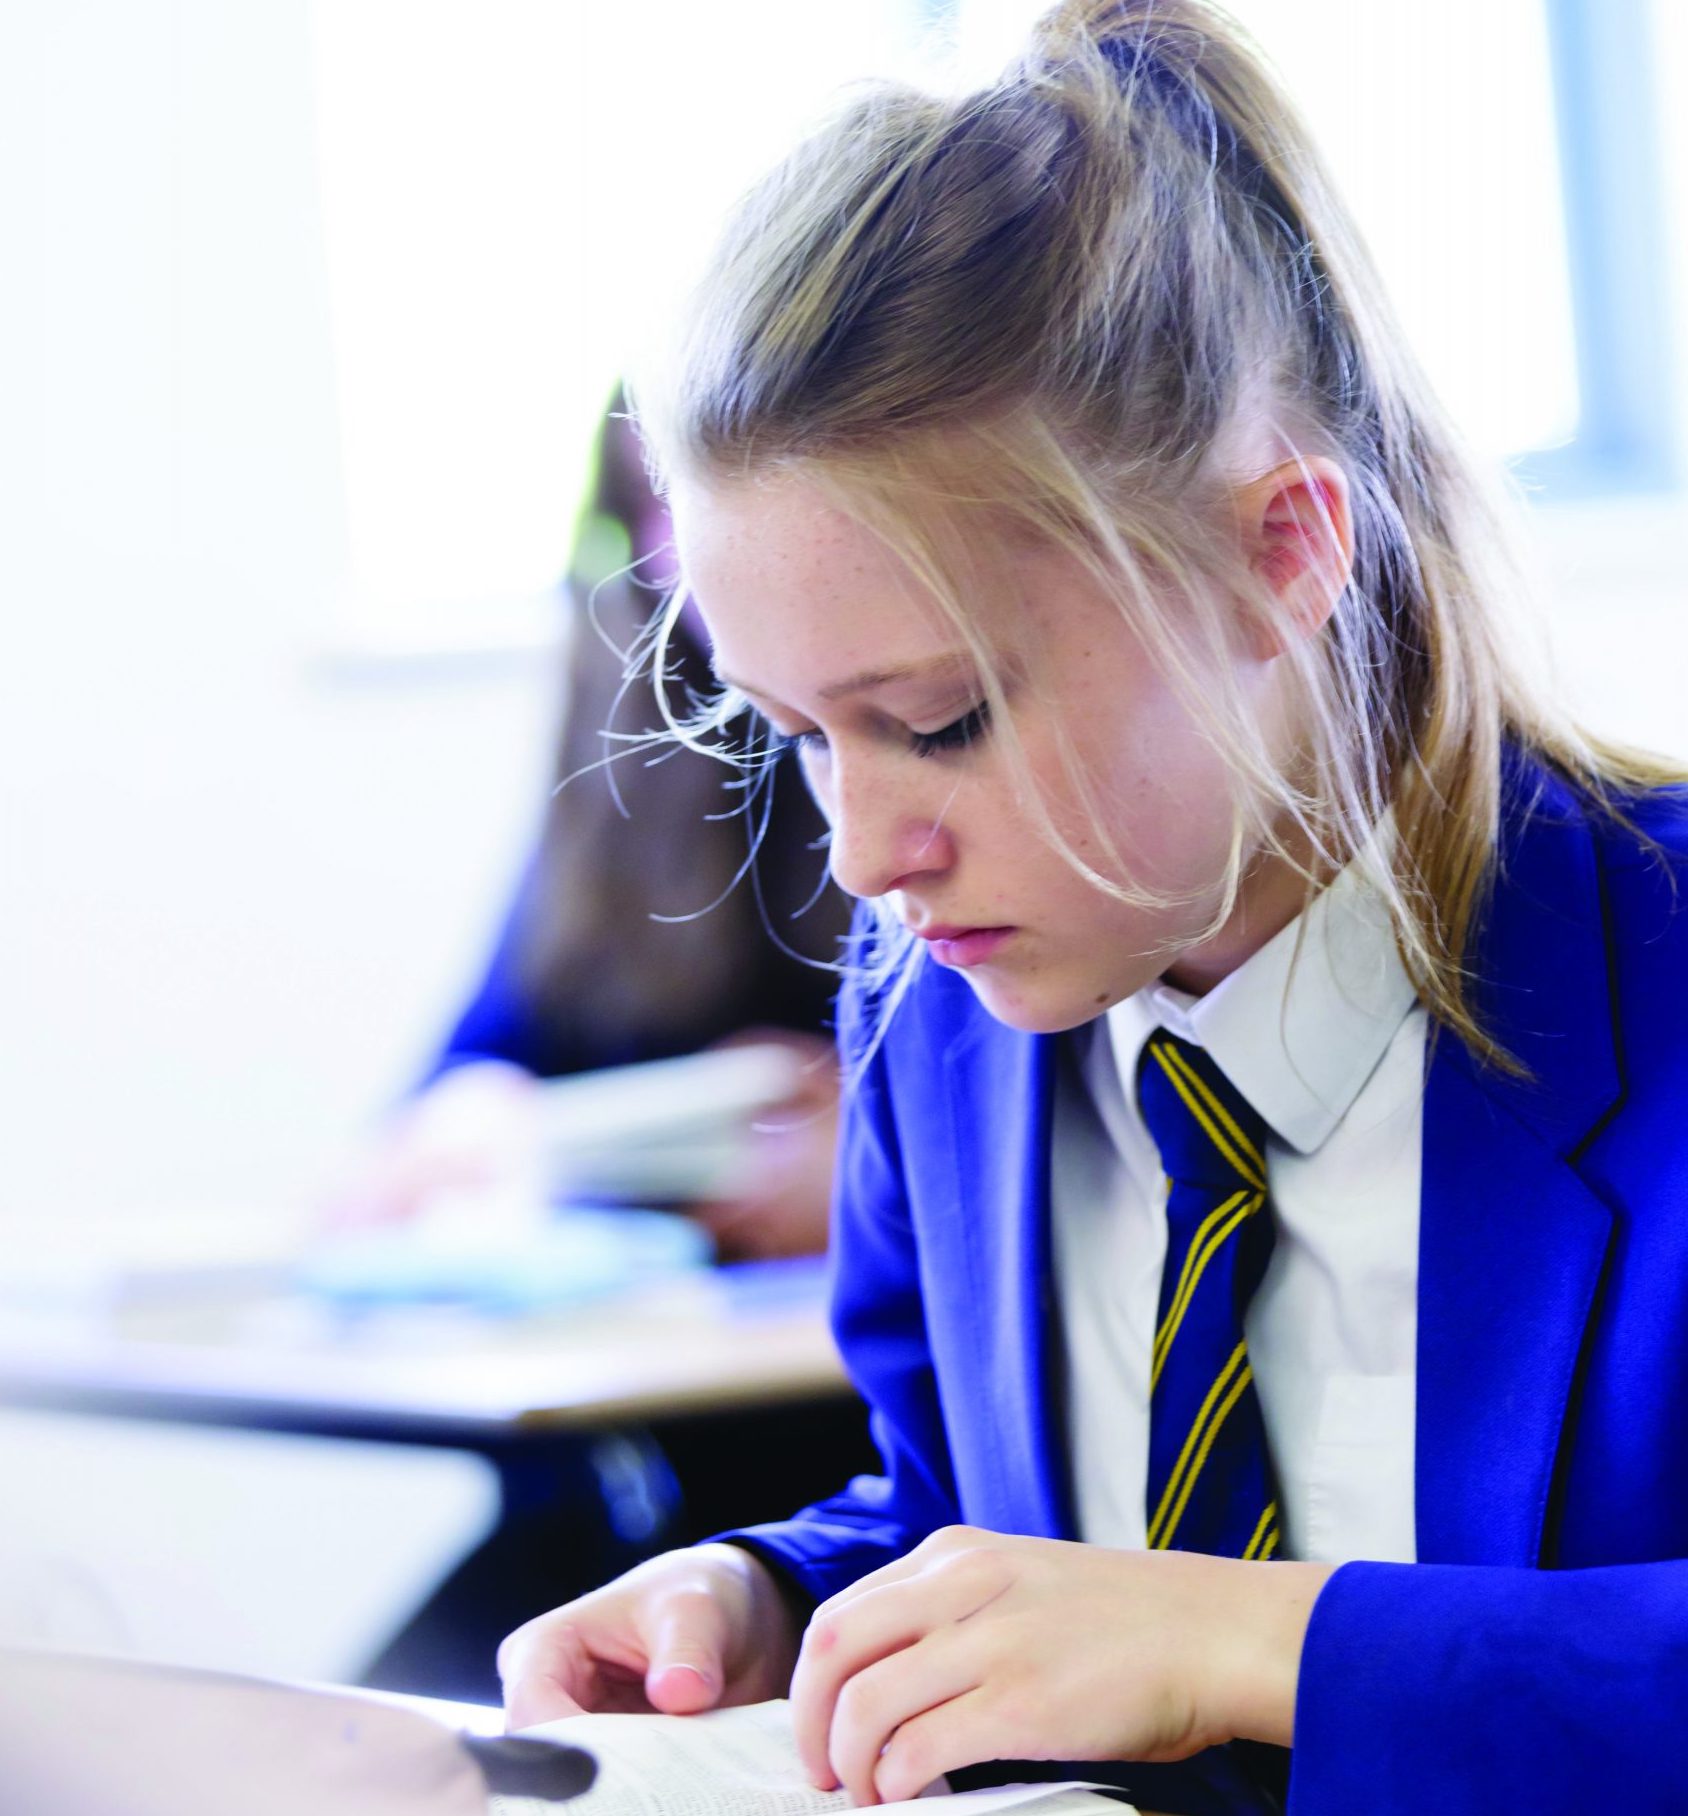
<point>1493,1687</point>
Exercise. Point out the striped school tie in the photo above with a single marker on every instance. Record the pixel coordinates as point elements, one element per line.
<point>1210,1484</point>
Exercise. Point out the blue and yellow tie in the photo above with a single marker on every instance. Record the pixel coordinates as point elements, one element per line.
<point>1210,1484</point>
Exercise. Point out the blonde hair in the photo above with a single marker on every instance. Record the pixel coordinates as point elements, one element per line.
<point>1060,300</point>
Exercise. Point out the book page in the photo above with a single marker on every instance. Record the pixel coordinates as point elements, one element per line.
<point>743,1762</point>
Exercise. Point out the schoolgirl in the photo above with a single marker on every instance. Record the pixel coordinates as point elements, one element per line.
<point>1262,1215</point>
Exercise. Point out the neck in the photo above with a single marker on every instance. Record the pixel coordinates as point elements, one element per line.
<point>1273,893</point>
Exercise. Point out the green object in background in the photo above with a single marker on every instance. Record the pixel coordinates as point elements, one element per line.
<point>603,547</point>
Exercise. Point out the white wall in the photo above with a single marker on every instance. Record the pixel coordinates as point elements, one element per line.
<point>237,889</point>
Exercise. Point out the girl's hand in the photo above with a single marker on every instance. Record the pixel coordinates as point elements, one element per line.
<point>702,1628</point>
<point>980,1646</point>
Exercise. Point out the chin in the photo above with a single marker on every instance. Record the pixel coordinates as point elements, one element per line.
<point>1032,1011</point>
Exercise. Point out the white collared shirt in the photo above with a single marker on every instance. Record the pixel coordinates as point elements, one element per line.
<point>1328,1046</point>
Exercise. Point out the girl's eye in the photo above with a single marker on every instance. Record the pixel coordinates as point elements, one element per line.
<point>798,742</point>
<point>955,736</point>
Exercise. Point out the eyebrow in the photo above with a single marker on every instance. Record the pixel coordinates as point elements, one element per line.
<point>870,678</point>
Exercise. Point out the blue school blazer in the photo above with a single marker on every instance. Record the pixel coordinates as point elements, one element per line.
<point>1536,1658</point>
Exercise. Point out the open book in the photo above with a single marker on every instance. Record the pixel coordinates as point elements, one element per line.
<point>743,1762</point>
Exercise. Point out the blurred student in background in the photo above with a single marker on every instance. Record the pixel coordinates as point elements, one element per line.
<point>628,938</point>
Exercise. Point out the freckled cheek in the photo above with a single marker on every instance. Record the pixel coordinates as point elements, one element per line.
<point>1124,809</point>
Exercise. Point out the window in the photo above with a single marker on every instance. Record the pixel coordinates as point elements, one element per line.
<point>508,190</point>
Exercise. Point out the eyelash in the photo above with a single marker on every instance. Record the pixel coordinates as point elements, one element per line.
<point>957,735</point>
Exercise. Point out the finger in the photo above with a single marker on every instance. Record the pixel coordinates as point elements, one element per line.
<point>686,1642</point>
<point>720,1216</point>
<point>934,1546</point>
<point>537,1699</point>
<point>837,1642</point>
<point>565,1664</point>
<point>942,1738</point>
<point>547,1674</point>
<point>946,1542</point>
<point>857,1629</point>
<point>757,1233</point>
<point>877,1703</point>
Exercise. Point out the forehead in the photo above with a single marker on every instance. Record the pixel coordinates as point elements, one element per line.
<point>785,576</point>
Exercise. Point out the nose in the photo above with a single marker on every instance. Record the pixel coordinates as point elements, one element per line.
<point>884,836</point>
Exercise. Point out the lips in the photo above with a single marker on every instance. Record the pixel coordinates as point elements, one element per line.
<point>962,946</point>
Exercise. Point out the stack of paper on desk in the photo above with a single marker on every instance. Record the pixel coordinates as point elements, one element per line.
<point>664,1132</point>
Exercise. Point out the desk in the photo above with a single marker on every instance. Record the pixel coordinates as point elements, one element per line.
<point>263,1360</point>
<point>616,1429</point>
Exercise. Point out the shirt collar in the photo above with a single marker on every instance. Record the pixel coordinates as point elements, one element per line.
<point>1297,1031</point>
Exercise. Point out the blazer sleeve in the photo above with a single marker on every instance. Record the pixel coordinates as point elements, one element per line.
<point>1477,1687</point>
<point>879,1322</point>
<point>501,1020</point>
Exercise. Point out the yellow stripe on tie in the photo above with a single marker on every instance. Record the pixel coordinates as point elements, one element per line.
<point>1214,1425</point>
<point>1205,1091</point>
<point>1250,1169</point>
<point>1195,1265</point>
<point>1211,1098</point>
<point>1235,1361</point>
<point>1217,1215</point>
<point>1269,1547</point>
<point>1264,1530</point>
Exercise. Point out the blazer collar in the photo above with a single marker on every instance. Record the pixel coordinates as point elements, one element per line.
<point>1541,973</point>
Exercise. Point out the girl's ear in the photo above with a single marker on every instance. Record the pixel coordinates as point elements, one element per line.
<point>1298,536</point>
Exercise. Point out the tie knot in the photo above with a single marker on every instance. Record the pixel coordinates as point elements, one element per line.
<point>1203,1126</point>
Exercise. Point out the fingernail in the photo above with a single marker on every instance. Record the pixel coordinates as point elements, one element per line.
<point>664,1673</point>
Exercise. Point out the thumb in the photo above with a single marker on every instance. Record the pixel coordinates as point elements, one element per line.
<point>685,1674</point>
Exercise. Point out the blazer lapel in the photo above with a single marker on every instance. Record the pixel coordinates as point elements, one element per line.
<point>1511,1245</point>
<point>1512,1240</point>
<point>1001,1099</point>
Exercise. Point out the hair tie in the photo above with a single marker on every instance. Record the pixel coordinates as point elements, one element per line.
<point>1189,109</point>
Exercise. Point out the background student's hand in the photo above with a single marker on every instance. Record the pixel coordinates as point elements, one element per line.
<point>702,1628</point>
<point>475,1130</point>
<point>778,1203</point>
<point>980,1646</point>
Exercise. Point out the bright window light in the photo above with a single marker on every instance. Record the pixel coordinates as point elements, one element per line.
<point>509,189</point>
<point>1436,120</point>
